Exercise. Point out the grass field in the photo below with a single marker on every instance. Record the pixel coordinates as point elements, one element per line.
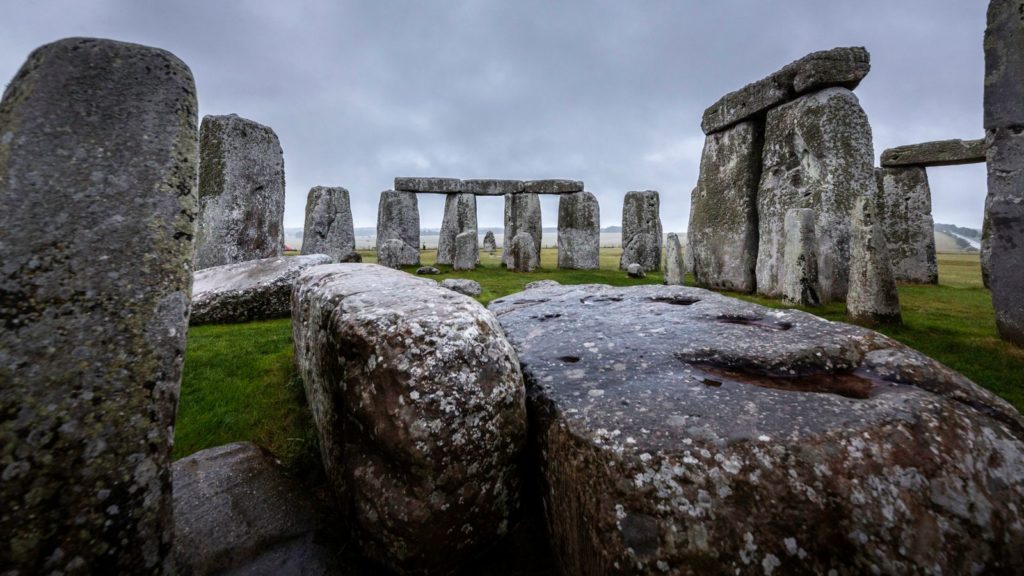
<point>239,383</point>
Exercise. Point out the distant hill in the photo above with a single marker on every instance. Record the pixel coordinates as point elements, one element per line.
<point>953,238</point>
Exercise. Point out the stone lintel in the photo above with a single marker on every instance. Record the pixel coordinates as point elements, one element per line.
<point>939,153</point>
<point>486,187</point>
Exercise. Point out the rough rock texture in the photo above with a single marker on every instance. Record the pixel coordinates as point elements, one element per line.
<point>241,192</point>
<point>398,217</point>
<point>818,154</point>
<point>462,286</point>
<point>393,253</point>
<point>635,270</point>
<point>328,228</point>
<point>467,251</point>
<point>986,244</point>
<point>246,291</point>
<point>641,230</point>
<point>722,235</point>
<point>872,297</point>
<point>522,214</point>
<point>419,405</point>
<point>236,511</point>
<point>1004,143</point>
<point>940,153</point>
<point>680,431</point>
<point>98,166</point>
<point>427,270</point>
<point>844,67</point>
<point>541,284</point>
<point>800,261</point>
<point>675,267</point>
<point>905,210</point>
<point>485,187</point>
<point>552,186</point>
<point>351,257</point>
<point>522,254</point>
<point>459,217</point>
<point>429,185</point>
<point>579,231</point>
<point>492,187</point>
<point>489,243</point>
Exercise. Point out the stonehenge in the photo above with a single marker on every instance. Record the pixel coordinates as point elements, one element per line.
<point>467,251</point>
<point>904,205</point>
<point>522,255</point>
<point>328,229</point>
<point>459,217</point>
<point>398,219</point>
<point>522,215</point>
<point>641,230</point>
<point>872,297</point>
<point>579,231</point>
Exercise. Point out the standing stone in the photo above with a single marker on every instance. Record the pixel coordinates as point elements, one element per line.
<point>675,266</point>
<point>393,253</point>
<point>467,251</point>
<point>398,218</point>
<point>579,231</point>
<point>817,154</point>
<point>328,228</point>
<point>522,253</point>
<point>641,231</point>
<point>1004,143</point>
<point>986,244</point>
<point>872,297</point>
<point>98,167</point>
<point>800,268</point>
<point>723,209</point>
<point>905,211</point>
<point>489,244</point>
<point>522,214</point>
<point>459,217</point>
<point>241,192</point>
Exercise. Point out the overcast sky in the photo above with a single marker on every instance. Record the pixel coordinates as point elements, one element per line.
<point>609,92</point>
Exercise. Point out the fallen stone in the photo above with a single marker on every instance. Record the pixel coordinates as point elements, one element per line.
<point>641,230</point>
<point>872,298</point>
<point>844,67</point>
<point>467,251</point>
<point>393,253</point>
<point>522,214</point>
<point>429,185</point>
<point>427,270</point>
<point>491,187</point>
<point>459,217</point>
<point>723,209</point>
<point>818,154</point>
<point>579,231</point>
<point>940,153</point>
<point>661,413</point>
<point>905,209</point>
<point>489,243</point>
<point>800,266</point>
<point>675,267</point>
<point>246,291</point>
<point>328,228</point>
<point>541,284</point>
<point>522,254</point>
<point>241,192</point>
<point>551,186</point>
<point>398,217</point>
<point>635,270</point>
<point>98,167</point>
<point>462,286</point>
<point>418,402</point>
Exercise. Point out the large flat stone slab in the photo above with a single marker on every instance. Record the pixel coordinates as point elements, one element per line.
<point>939,153</point>
<point>486,187</point>
<point>844,67</point>
<point>680,431</point>
<point>428,185</point>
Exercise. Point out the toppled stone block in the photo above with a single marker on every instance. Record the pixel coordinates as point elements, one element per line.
<point>641,230</point>
<point>552,186</point>
<point>467,251</point>
<point>675,266</point>
<point>428,185</point>
<point>872,298</point>
<point>328,228</point>
<point>459,217</point>
<point>418,402</point>
<point>522,214</point>
<point>246,291</point>
<point>904,205</point>
<point>427,270</point>
<point>470,288</point>
<point>492,187</point>
<point>800,267</point>
<point>398,218</point>
<point>939,153</point>
<point>522,254</point>
<point>579,231</point>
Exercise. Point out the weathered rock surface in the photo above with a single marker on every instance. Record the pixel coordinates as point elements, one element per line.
<point>818,154</point>
<point>939,153</point>
<point>635,270</point>
<point>235,511</point>
<point>872,297</point>
<point>462,286</point>
<point>427,270</point>
<point>486,187</point>
<point>522,253</point>
<point>241,192</point>
<point>490,244</point>
<point>800,265</point>
<point>418,401</point>
<point>98,167</point>
<point>844,67</point>
<point>675,267</point>
<point>328,228</point>
<point>905,210</point>
<point>492,187</point>
<point>459,217</point>
<point>552,186</point>
<point>467,251</point>
<point>541,284</point>
<point>429,185</point>
<point>986,244</point>
<point>522,214</point>
<point>393,253</point>
<point>398,217</point>
<point>681,431</point>
<point>1004,142</point>
<point>246,291</point>
<point>579,231</point>
<point>641,230</point>
<point>722,235</point>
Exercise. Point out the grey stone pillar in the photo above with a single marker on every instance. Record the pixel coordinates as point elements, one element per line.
<point>675,267</point>
<point>800,269</point>
<point>641,230</point>
<point>241,192</point>
<point>522,214</point>
<point>459,217</point>
<point>872,297</point>
<point>398,218</point>
<point>905,210</point>
<point>328,228</point>
<point>98,167</point>
<point>579,231</point>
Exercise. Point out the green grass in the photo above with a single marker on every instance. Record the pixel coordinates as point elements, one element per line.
<point>239,383</point>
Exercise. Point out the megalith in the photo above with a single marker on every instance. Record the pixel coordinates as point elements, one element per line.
<point>722,235</point>
<point>99,160</point>
<point>905,211</point>
<point>675,266</point>
<point>489,243</point>
<point>241,192</point>
<point>459,217</point>
<point>328,228</point>
<point>872,297</point>
<point>1004,143</point>
<point>818,154</point>
<point>467,251</point>
<point>800,260</point>
<point>641,231</point>
<point>522,214</point>
<point>398,218</point>
<point>522,253</point>
<point>579,231</point>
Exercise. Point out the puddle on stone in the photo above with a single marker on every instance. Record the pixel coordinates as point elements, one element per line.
<point>599,299</point>
<point>569,359</point>
<point>675,300</point>
<point>764,323</point>
<point>847,384</point>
